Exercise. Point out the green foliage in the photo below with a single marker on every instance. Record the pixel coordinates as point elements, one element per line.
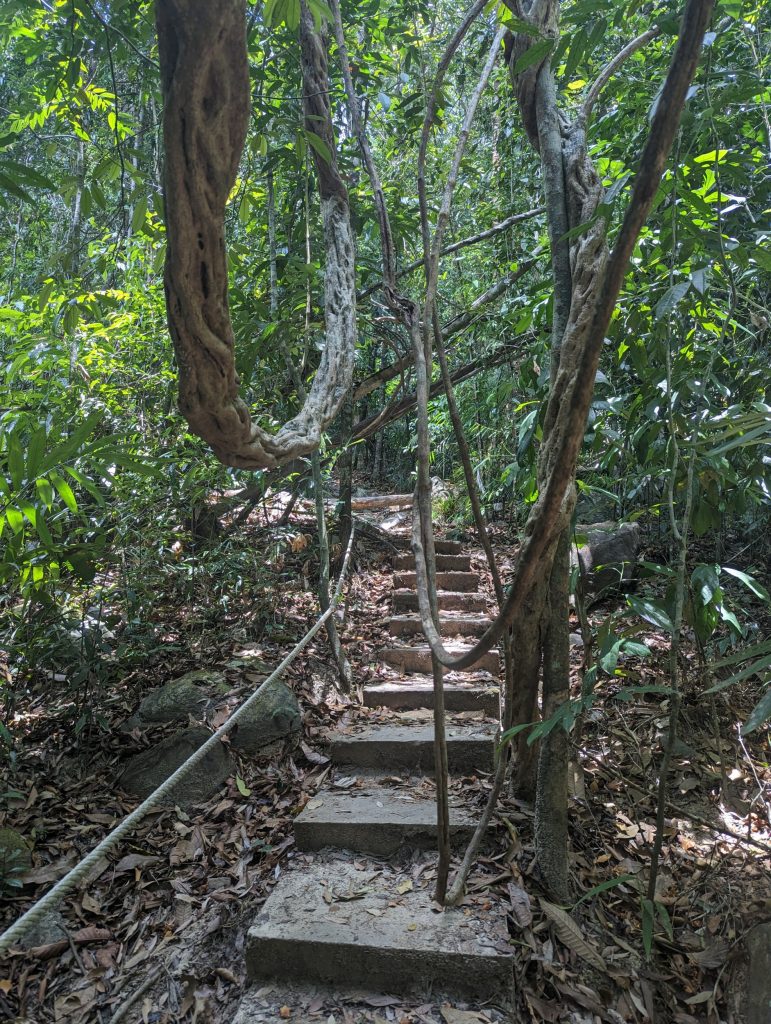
<point>94,460</point>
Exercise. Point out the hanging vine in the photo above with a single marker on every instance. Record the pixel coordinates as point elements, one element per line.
<point>205,83</point>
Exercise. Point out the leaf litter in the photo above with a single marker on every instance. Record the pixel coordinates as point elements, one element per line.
<point>174,906</point>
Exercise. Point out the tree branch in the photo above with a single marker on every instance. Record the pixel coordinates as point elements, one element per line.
<point>574,397</point>
<point>458,323</point>
<point>367,427</point>
<point>612,66</point>
<point>496,229</point>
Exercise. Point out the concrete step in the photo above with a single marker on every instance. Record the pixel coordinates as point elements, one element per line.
<point>412,694</point>
<point>378,821</point>
<point>456,581</point>
<point>418,659</point>
<point>332,923</point>
<point>450,625</point>
<point>449,601</point>
<point>444,563</point>
<point>448,547</point>
<point>387,747</point>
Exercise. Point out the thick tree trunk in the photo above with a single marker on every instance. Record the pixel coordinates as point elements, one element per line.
<point>551,800</point>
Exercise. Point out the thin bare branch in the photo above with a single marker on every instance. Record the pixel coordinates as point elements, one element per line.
<point>491,232</point>
<point>574,397</point>
<point>612,67</point>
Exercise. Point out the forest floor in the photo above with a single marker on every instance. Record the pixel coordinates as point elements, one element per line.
<point>158,934</point>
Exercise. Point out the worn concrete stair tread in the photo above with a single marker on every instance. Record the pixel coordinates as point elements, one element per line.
<point>418,692</point>
<point>466,582</point>
<point>450,624</point>
<point>407,601</point>
<point>448,547</point>
<point>418,658</point>
<point>470,748</point>
<point>376,820</point>
<point>444,563</point>
<point>367,932</point>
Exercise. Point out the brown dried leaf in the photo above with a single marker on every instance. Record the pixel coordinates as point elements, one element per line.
<point>132,861</point>
<point>571,935</point>
<point>520,905</point>
<point>453,1016</point>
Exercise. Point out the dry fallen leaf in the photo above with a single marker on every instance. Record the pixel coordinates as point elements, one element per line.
<point>453,1016</point>
<point>404,887</point>
<point>285,1013</point>
<point>520,905</point>
<point>132,861</point>
<point>571,935</point>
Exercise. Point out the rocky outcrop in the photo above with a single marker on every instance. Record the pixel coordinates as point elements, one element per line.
<point>606,558</point>
<point>193,695</point>
<point>273,722</point>
<point>147,770</point>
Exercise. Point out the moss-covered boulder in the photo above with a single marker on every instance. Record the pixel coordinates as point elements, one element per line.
<point>192,695</point>
<point>147,770</point>
<point>15,853</point>
<point>274,720</point>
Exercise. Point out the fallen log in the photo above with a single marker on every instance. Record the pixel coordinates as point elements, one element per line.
<point>371,502</point>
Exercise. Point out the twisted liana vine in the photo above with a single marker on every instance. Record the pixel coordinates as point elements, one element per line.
<point>205,85</point>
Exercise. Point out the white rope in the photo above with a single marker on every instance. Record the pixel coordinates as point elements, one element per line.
<point>81,870</point>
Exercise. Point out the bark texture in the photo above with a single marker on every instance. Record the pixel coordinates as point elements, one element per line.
<point>205,84</point>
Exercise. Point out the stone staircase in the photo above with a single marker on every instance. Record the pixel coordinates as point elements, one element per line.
<point>355,909</point>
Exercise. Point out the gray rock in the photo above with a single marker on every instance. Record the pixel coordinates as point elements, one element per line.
<point>147,770</point>
<point>273,720</point>
<point>191,695</point>
<point>607,559</point>
<point>50,928</point>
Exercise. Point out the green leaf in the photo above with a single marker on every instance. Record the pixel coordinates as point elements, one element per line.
<point>27,176</point>
<point>743,440</point>
<point>45,491</point>
<point>243,789</point>
<point>321,12</point>
<point>651,611</point>
<point>277,12</point>
<point>38,522</point>
<point>752,584</point>
<point>534,55</point>
<point>15,518</point>
<point>764,647</point>
<point>61,453</point>
<point>35,451</point>
<point>666,920</point>
<point>15,462</point>
<point>515,24</point>
<point>138,216</point>
<point>65,492</point>
<point>611,883</point>
<point>703,518</point>
<point>670,299</point>
<point>319,145</point>
<point>759,715</point>
<point>749,670</point>
<point>45,293</point>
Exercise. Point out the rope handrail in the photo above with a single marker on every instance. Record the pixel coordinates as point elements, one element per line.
<point>22,925</point>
